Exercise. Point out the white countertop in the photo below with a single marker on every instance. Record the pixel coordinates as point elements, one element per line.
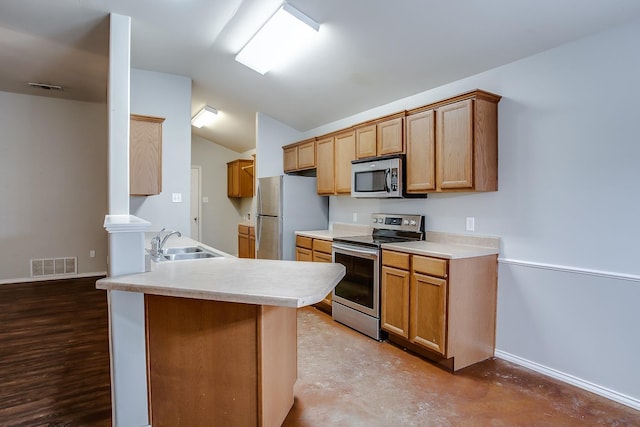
<point>441,250</point>
<point>230,279</point>
<point>337,230</point>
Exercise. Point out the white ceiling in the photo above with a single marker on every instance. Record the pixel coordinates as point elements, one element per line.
<point>370,52</point>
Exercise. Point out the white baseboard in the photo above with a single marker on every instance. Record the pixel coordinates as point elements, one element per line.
<point>570,379</point>
<point>52,277</point>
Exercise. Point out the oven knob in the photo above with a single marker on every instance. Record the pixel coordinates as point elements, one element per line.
<point>375,220</point>
<point>413,222</point>
<point>405,222</point>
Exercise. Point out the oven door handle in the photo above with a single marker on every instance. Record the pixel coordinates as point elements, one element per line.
<point>351,249</point>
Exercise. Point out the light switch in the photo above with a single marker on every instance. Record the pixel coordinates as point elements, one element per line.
<point>176,197</point>
<point>205,199</point>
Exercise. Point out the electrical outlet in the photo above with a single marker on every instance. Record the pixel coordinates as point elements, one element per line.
<point>176,197</point>
<point>92,254</point>
<point>355,217</point>
<point>471,223</point>
<point>205,199</point>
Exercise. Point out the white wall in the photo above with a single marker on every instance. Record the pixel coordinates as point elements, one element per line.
<point>221,214</point>
<point>53,183</point>
<point>271,135</point>
<point>566,209</point>
<point>168,96</point>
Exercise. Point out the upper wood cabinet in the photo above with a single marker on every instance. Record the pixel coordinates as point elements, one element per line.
<point>421,152</point>
<point>145,155</point>
<point>325,166</point>
<point>299,156</point>
<point>459,145</point>
<point>240,178</point>
<point>380,138</point>
<point>345,152</point>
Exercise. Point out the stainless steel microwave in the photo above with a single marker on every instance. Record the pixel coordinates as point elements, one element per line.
<point>379,177</point>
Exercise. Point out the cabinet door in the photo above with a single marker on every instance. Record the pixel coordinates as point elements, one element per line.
<point>421,151</point>
<point>145,155</point>
<point>290,158</point>
<point>323,257</point>
<point>325,170</point>
<point>366,141</point>
<point>428,308</point>
<point>454,145</point>
<point>395,301</point>
<point>233,183</point>
<point>345,146</point>
<point>243,246</point>
<point>252,242</point>
<point>389,137</point>
<point>303,254</point>
<point>307,155</point>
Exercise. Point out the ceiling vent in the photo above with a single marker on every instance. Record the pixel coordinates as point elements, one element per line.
<point>45,86</point>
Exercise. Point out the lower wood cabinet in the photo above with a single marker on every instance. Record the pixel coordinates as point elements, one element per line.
<point>316,250</point>
<point>246,241</point>
<point>442,309</point>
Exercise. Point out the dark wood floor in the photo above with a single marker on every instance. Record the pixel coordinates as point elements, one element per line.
<point>54,354</point>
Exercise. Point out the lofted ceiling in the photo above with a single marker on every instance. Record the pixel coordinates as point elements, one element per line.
<point>369,53</point>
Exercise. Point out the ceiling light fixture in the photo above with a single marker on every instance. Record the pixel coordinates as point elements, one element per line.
<point>204,117</point>
<point>283,36</point>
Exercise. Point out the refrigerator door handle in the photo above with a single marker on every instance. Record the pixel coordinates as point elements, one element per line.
<point>258,230</point>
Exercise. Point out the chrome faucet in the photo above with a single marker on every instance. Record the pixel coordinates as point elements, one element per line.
<point>157,243</point>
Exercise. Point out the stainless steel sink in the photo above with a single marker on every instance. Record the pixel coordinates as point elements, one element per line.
<point>186,250</point>
<point>189,252</point>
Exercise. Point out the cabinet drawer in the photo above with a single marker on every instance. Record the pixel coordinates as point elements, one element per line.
<point>395,259</point>
<point>243,229</point>
<point>431,266</point>
<point>320,245</point>
<point>304,242</point>
<point>321,257</point>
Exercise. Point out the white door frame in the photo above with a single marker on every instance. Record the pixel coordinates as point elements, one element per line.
<point>197,197</point>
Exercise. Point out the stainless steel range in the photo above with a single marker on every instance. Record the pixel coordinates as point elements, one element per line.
<point>356,299</point>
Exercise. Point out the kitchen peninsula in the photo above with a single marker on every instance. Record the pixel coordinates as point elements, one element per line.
<point>221,336</point>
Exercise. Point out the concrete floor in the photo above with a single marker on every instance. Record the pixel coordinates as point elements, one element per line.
<point>347,379</point>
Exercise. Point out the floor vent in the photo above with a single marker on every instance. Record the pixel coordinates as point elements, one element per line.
<point>54,267</point>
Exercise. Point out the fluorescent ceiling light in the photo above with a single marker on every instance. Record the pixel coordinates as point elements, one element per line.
<point>283,36</point>
<point>204,117</point>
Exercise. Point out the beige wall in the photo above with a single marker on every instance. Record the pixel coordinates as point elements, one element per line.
<point>221,215</point>
<point>53,183</point>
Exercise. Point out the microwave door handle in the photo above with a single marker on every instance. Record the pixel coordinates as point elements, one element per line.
<point>387,180</point>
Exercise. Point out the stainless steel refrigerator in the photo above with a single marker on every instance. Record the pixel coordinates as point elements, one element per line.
<point>286,204</point>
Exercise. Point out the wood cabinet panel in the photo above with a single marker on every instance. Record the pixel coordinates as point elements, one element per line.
<point>396,259</point>
<point>389,138</point>
<point>429,265</point>
<point>345,152</point>
<point>246,241</point>
<point>366,141</point>
<point>145,155</point>
<point>421,152</point>
<point>454,153</point>
<point>299,156</point>
<point>304,242</point>
<point>304,254</point>
<point>240,178</point>
<point>290,158</point>
<point>428,310</point>
<point>320,245</point>
<point>325,166</point>
<point>395,295</point>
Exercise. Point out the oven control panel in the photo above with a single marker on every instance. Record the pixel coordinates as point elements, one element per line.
<point>398,222</point>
